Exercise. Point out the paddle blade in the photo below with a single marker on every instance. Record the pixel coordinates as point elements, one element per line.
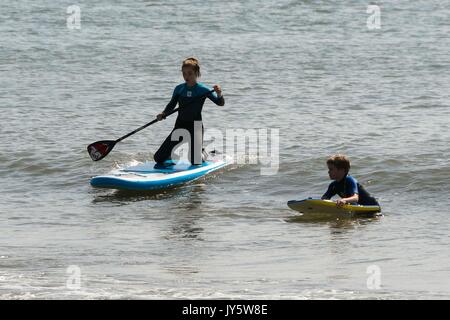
<point>100,149</point>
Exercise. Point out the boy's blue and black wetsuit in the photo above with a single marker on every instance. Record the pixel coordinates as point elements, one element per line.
<point>347,187</point>
<point>190,100</point>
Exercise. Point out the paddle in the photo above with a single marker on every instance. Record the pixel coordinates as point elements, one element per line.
<point>100,149</point>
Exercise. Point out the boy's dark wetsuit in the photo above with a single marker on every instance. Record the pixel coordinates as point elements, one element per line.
<point>347,187</point>
<point>191,100</point>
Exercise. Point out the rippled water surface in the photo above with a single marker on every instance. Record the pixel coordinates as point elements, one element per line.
<point>311,69</point>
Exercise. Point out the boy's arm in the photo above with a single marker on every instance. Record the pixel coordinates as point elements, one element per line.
<point>330,192</point>
<point>352,199</point>
<point>353,187</point>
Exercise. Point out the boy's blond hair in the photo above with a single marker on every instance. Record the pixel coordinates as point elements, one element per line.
<point>193,63</point>
<point>340,161</point>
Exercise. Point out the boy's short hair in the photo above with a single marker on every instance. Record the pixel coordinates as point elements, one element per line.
<point>193,63</point>
<point>340,161</point>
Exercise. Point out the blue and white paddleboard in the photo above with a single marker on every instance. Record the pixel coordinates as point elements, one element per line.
<point>146,177</point>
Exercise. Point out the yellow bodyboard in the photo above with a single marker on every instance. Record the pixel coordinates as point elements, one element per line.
<point>318,206</point>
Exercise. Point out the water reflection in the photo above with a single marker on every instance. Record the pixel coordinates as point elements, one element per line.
<point>188,211</point>
<point>185,234</point>
<point>183,210</point>
<point>124,197</point>
<point>336,224</point>
<point>178,216</point>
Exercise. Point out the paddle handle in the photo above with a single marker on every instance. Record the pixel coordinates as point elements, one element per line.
<point>154,121</point>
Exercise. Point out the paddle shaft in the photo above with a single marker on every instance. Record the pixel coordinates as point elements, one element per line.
<point>152,122</point>
<point>145,126</point>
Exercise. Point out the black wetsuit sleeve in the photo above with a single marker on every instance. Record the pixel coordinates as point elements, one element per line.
<point>365,198</point>
<point>214,98</point>
<point>330,192</point>
<point>172,104</point>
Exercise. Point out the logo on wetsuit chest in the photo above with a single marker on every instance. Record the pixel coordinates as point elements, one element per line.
<point>189,93</point>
